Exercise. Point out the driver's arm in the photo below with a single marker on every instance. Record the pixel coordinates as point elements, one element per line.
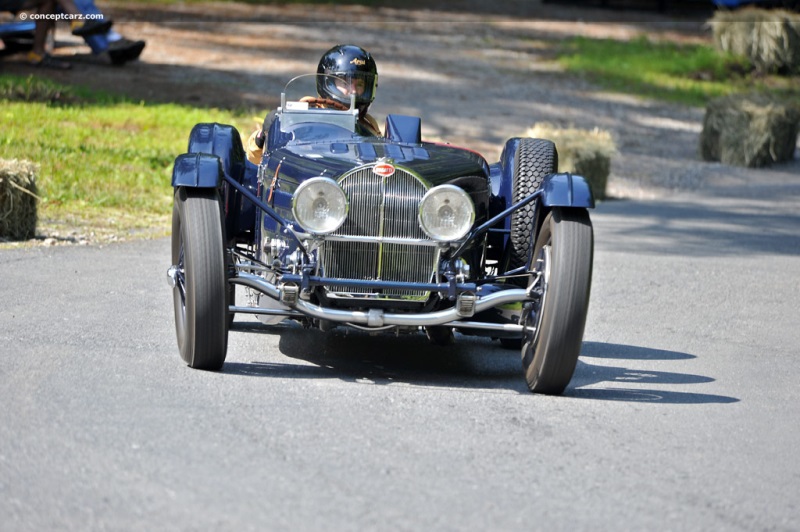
<point>254,147</point>
<point>371,124</point>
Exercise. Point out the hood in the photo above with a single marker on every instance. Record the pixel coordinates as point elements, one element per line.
<point>436,163</point>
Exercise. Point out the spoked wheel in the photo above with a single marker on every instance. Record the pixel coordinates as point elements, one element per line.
<point>201,292</point>
<point>561,281</point>
<point>231,291</point>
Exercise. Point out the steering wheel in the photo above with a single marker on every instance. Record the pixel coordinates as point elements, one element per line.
<point>314,101</point>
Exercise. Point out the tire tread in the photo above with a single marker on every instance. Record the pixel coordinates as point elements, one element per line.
<point>535,159</point>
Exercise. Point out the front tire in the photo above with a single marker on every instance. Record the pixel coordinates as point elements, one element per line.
<point>562,275</point>
<point>201,291</point>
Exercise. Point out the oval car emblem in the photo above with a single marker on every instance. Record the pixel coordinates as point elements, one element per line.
<point>383,169</point>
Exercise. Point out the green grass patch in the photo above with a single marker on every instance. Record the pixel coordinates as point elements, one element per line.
<point>688,74</point>
<point>101,156</point>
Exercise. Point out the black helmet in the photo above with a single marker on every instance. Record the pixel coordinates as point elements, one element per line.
<point>351,64</point>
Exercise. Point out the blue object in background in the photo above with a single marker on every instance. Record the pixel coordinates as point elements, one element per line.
<point>97,42</point>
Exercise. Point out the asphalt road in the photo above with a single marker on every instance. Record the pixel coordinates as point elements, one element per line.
<point>682,415</point>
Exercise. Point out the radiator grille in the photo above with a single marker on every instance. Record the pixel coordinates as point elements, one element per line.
<point>384,207</point>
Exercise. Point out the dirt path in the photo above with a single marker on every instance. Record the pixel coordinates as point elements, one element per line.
<point>476,78</point>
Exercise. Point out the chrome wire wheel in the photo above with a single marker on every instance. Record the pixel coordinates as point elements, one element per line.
<point>560,287</point>
<point>532,316</point>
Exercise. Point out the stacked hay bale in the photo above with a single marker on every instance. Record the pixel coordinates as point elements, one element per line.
<point>581,151</point>
<point>17,199</point>
<point>770,39</point>
<point>752,130</point>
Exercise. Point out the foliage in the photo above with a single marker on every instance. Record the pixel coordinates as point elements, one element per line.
<point>32,89</point>
<point>684,73</point>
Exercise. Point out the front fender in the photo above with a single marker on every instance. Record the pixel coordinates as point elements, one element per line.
<point>566,190</point>
<point>197,170</point>
<point>223,141</point>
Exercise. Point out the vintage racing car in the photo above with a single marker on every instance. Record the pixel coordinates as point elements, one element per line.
<point>337,227</point>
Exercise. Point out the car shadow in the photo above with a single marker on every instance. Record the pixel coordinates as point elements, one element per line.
<point>355,356</point>
<point>478,364</point>
<point>588,376</point>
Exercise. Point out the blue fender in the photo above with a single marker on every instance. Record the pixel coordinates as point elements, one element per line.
<point>500,197</point>
<point>215,151</point>
<point>566,190</point>
<point>197,170</point>
<point>501,176</point>
<point>224,142</point>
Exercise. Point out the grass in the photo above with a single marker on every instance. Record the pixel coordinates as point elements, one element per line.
<point>105,161</point>
<point>687,74</point>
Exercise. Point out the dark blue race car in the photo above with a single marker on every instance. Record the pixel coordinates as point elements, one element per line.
<point>337,227</point>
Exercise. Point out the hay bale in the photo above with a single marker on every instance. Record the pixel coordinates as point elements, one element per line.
<point>749,130</point>
<point>17,199</point>
<point>581,151</point>
<point>770,39</point>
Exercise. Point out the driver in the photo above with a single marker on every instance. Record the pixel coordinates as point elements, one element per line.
<point>350,70</point>
<point>354,72</point>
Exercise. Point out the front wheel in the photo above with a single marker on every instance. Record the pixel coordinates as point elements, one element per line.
<point>200,293</point>
<point>561,278</point>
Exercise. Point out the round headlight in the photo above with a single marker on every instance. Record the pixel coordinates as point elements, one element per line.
<point>446,213</point>
<point>319,205</point>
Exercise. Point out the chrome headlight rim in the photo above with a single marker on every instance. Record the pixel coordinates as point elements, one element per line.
<point>453,192</point>
<point>305,188</point>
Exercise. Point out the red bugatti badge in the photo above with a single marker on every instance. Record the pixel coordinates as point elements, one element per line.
<point>383,169</point>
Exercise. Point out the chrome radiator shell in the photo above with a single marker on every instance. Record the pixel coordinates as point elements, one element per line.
<point>381,238</point>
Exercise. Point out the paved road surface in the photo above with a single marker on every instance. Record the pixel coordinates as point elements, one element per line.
<point>683,413</point>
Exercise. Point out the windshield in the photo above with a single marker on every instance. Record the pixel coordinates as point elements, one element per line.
<point>305,89</point>
<point>302,106</point>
